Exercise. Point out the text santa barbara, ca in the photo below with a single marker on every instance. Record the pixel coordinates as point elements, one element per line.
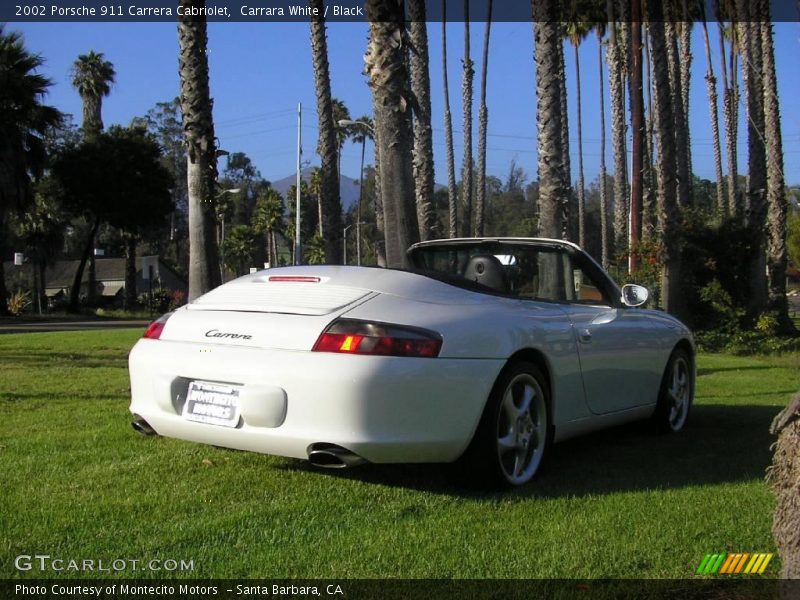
<point>163,10</point>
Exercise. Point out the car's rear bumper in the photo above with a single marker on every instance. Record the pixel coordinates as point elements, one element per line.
<point>384,409</point>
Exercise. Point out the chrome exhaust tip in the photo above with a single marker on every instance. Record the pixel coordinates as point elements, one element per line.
<point>142,426</point>
<point>331,456</point>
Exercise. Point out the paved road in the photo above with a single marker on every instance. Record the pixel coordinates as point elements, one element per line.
<point>8,326</point>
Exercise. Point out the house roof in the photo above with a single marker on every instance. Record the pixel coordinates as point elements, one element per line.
<point>62,272</point>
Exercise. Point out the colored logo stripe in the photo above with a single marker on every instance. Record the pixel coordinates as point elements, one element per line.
<point>738,562</point>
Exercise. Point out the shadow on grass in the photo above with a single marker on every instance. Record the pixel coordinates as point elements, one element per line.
<point>47,359</point>
<point>711,370</point>
<point>721,444</point>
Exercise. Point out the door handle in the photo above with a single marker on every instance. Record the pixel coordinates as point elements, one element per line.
<point>585,336</point>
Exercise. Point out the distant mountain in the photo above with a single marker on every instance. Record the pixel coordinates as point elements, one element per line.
<point>348,187</point>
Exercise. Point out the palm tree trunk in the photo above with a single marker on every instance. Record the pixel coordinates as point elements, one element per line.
<point>452,193</point>
<point>75,290</point>
<point>568,227</point>
<point>649,202</point>
<point>130,272</point>
<point>637,135</point>
<point>466,167</point>
<point>755,216</point>
<point>483,123</point>
<point>198,128</point>
<point>776,192</point>
<point>685,63</point>
<point>328,144</point>
<point>616,88</point>
<point>664,121</point>
<point>423,133</point>
<point>547,37</point>
<point>711,85</point>
<point>680,127</point>
<point>604,237</point>
<point>581,186</point>
<point>386,69</point>
<point>729,116</point>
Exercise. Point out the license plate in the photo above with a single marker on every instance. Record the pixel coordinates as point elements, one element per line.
<point>213,403</point>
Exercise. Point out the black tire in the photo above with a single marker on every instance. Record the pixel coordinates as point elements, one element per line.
<point>515,430</point>
<point>676,395</point>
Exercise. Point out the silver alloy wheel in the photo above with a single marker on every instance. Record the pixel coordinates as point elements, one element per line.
<point>679,392</point>
<point>521,428</point>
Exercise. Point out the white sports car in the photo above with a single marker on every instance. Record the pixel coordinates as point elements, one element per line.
<point>487,351</point>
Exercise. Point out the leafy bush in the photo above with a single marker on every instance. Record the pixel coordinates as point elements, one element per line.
<point>177,299</point>
<point>159,302</point>
<point>18,302</point>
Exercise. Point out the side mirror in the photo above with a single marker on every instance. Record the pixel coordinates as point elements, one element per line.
<point>634,295</point>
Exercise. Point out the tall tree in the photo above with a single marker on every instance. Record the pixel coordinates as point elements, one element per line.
<point>24,122</point>
<point>362,133</point>
<point>467,165</point>
<point>547,38</point>
<point>637,134</point>
<point>605,241</point>
<point>616,84</point>
<point>92,76</point>
<point>452,194</point>
<point>711,87</point>
<point>730,102</point>
<point>483,124</point>
<point>666,161</point>
<point>776,186</point>
<point>340,113</point>
<point>567,232</point>
<point>198,128</point>
<point>749,36</point>
<point>681,127</point>
<point>328,144</point>
<point>268,220</point>
<point>388,79</point>
<point>423,133</point>
<point>577,29</point>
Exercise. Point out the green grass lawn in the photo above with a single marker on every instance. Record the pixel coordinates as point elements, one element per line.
<point>77,482</point>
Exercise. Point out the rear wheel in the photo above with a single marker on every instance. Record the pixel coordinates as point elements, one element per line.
<point>515,429</point>
<point>676,394</point>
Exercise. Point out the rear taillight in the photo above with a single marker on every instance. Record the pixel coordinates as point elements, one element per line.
<point>153,331</point>
<point>349,336</point>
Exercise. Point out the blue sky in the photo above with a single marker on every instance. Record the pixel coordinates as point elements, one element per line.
<point>260,71</point>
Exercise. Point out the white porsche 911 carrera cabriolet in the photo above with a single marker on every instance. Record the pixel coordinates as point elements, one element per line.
<point>487,351</point>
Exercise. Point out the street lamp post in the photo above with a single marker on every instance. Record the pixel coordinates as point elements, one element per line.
<point>347,123</point>
<point>222,233</point>
<point>344,238</point>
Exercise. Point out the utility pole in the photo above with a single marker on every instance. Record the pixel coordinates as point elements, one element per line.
<point>298,254</point>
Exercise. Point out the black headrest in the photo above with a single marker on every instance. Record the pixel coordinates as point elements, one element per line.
<point>488,271</point>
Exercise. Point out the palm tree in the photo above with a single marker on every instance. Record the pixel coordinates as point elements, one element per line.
<point>386,69</point>
<point>750,40</point>
<point>198,128</point>
<point>681,127</point>
<point>616,84</point>
<point>467,166</point>
<point>340,113</point>
<point>423,134</point>
<point>267,219</point>
<point>328,144</point>
<point>711,86</point>
<point>776,192</point>
<point>92,76</point>
<point>730,102</point>
<point>577,30</point>
<point>637,134</point>
<point>566,168</point>
<point>483,123</point>
<point>604,237</point>
<point>664,122</point>
<point>547,38</point>
<point>24,121</point>
<point>452,194</point>
<point>362,133</point>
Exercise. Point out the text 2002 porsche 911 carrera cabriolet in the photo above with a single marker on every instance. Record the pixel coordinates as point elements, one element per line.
<point>487,351</point>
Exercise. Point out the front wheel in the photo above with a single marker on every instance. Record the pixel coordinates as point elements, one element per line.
<point>676,394</point>
<point>515,429</point>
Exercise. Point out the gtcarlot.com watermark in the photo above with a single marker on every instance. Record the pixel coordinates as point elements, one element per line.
<point>59,564</point>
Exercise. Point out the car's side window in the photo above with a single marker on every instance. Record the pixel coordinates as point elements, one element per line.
<point>586,290</point>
